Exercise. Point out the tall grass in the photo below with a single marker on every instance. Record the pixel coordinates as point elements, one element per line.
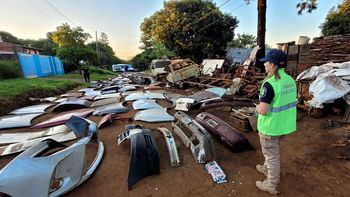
<point>16,87</point>
<point>10,69</point>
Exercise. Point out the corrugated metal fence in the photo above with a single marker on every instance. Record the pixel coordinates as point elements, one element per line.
<point>34,66</point>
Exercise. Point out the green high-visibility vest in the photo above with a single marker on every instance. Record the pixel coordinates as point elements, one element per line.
<point>281,118</point>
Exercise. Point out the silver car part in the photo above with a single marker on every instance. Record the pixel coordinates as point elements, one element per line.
<point>217,90</point>
<point>60,100</point>
<point>47,99</point>
<point>15,121</point>
<point>193,135</point>
<point>127,88</point>
<point>71,104</point>
<point>104,96</point>
<point>154,95</point>
<point>105,101</point>
<point>111,108</point>
<point>171,145</point>
<point>154,115</point>
<point>135,96</point>
<point>127,134</point>
<point>130,92</point>
<point>145,104</point>
<point>184,104</point>
<point>33,109</point>
<point>36,172</point>
<point>9,138</point>
<point>22,146</point>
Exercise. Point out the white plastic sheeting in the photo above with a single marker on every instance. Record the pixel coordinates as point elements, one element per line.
<point>330,83</point>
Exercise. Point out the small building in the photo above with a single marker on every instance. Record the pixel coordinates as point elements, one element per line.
<point>8,51</point>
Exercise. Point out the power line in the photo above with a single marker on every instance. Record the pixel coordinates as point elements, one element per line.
<point>60,12</point>
<point>221,18</point>
<point>205,16</point>
<point>33,5</point>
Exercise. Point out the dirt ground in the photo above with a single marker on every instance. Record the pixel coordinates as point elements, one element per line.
<point>309,164</point>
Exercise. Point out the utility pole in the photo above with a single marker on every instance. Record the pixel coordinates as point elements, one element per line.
<point>261,33</point>
<point>261,24</point>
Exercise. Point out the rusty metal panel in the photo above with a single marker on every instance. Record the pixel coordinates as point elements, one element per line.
<point>227,134</point>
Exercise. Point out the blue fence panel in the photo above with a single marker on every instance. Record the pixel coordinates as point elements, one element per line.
<point>34,66</point>
<point>59,69</point>
<point>45,65</point>
<point>28,66</point>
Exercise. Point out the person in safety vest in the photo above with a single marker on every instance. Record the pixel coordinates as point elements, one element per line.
<point>86,71</point>
<point>277,117</point>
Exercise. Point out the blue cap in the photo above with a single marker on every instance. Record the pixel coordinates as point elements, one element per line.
<point>275,56</point>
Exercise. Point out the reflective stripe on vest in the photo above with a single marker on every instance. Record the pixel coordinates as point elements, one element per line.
<point>283,107</point>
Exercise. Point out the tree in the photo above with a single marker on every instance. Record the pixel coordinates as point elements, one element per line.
<point>47,46</point>
<point>71,56</point>
<point>71,45</point>
<point>103,38</point>
<point>8,37</point>
<point>105,55</point>
<point>308,5</point>
<point>66,36</point>
<point>156,51</point>
<point>191,28</point>
<point>243,41</point>
<point>337,20</point>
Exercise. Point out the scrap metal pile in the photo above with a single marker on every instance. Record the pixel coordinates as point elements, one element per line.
<point>55,168</point>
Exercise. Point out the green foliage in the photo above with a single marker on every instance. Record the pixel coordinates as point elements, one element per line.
<point>65,36</point>
<point>71,56</point>
<point>186,28</point>
<point>338,20</point>
<point>243,41</point>
<point>47,45</point>
<point>105,55</point>
<point>8,37</point>
<point>94,69</point>
<point>157,51</point>
<point>306,5</point>
<point>10,69</point>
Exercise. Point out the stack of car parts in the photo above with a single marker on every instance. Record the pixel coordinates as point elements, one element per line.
<point>39,172</point>
<point>144,154</point>
<point>194,136</point>
<point>227,134</point>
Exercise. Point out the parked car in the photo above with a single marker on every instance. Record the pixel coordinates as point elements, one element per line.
<point>123,68</point>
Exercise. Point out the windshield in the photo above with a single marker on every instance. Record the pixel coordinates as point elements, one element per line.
<point>161,64</point>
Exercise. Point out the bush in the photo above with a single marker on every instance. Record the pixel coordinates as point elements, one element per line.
<point>10,69</point>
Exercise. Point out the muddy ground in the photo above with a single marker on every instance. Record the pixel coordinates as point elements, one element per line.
<point>309,164</point>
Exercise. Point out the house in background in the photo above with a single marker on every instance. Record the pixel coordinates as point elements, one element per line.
<point>8,51</point>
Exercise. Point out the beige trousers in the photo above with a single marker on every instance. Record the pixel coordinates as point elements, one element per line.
<point>270,146</point>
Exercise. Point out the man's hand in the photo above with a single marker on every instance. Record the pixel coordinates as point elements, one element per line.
<point>262,108</point>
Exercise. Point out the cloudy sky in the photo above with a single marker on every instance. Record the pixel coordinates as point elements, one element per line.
<point>121,19</point>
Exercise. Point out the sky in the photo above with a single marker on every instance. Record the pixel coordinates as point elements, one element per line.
<point>121,19</point>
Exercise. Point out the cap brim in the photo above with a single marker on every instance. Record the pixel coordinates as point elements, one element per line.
<point>265,59</point>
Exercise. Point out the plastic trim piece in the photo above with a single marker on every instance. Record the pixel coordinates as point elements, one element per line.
<point>172,148</point>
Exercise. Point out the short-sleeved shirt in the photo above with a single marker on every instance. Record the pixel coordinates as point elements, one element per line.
<point>267,93</point>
